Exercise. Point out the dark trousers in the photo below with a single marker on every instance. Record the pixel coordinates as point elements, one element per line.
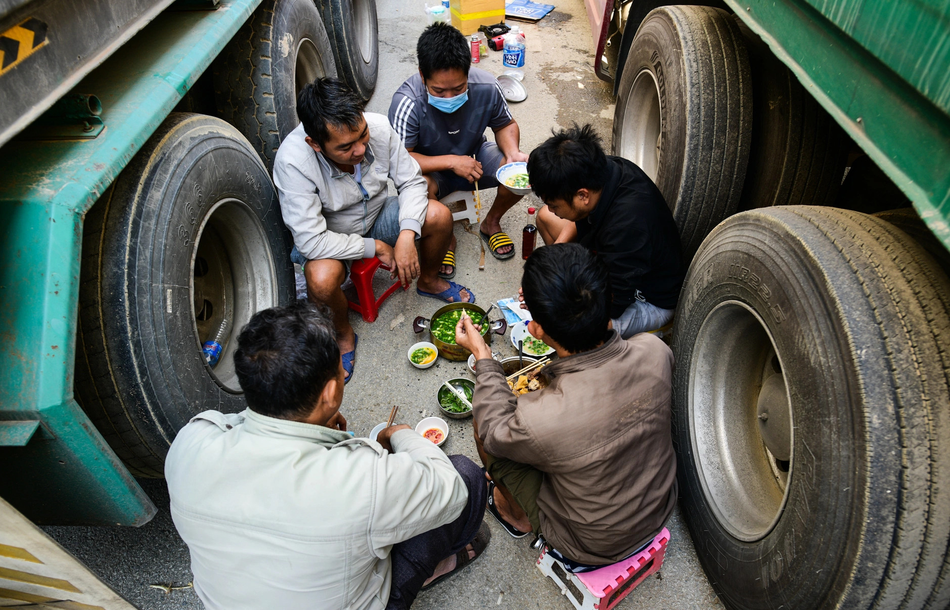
<point>414,560</point>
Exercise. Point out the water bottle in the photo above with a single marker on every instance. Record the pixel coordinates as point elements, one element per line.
<point>514,53</point>
<point>437,13</point>
<point>212,348</point>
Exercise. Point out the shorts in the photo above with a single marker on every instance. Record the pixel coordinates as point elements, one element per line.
<point>524,483</point>
<point>641,317</point>
<point>491,158</point>
<point>385,229</point>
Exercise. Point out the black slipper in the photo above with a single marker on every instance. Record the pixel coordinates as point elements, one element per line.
<point>462,559</point>
<point>513,531</point>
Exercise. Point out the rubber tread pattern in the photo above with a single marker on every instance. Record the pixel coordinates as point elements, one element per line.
<point>245,90</point>
<point>798,152</point>
<point>889,300</point>
<point>705,136</point>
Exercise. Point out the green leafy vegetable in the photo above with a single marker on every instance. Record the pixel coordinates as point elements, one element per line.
<point>443,327</point>
<point>519,181</point>
<point>422,355</point>
<point>535,346</point>
<point>450,401</point>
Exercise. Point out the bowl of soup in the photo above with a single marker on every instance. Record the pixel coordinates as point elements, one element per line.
<point>514,177</point>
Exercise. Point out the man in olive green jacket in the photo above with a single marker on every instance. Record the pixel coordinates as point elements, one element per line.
<point>587,460</point>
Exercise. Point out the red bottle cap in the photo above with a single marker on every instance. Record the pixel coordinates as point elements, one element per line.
<point>530,210</point>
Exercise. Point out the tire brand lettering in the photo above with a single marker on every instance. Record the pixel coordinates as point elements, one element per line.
<point>699,282</point>
<point>744,274</point>
<point>660,79</point>
<point>773,569</point>
<point>249,179</point>
<point>183,234</point>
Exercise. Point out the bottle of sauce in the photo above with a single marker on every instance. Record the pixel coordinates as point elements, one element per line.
<point>529,236</point>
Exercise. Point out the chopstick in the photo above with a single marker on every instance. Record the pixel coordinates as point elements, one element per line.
<point>392,416</point>
<point>478,212</point>
<point>458,394</point>
<point>528,368</point>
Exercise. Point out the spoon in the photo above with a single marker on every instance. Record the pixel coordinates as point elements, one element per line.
<point>458,394</point>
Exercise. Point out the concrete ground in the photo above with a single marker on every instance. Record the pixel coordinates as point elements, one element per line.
<point>561,88</point>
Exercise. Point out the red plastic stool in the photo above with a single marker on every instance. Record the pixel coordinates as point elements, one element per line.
<point>361,274</point>
<point>604,588</point>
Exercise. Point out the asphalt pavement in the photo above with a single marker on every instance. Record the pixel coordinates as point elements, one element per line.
<point>562,89</point>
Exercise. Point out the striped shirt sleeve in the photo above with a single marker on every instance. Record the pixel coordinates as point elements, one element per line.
<point>402,117</point>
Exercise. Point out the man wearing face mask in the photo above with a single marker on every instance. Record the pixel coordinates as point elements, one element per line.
<point>441,114</point>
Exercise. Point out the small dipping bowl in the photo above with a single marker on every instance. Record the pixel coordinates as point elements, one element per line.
<point>433,422</point>
<point>471,361</point>
<point>444,391</point>
<point>427,345</point>
<point>376,430</point>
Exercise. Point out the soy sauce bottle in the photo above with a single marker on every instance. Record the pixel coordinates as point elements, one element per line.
<point>528,236</point>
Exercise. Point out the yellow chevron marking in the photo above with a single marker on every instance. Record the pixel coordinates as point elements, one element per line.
<point>15,552</point>
<point>36,579</point>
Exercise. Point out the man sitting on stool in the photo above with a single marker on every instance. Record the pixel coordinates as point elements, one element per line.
<point>608,205</point>
<point>587,460</point>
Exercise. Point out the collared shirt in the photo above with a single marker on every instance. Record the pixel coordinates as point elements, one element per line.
<point>289,515</point>
<point>633,229</point>
<point>600,431</point>
<point>429,131</point>
<point>325,208</point>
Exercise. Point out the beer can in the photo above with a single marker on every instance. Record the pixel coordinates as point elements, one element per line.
<point>476,55</point>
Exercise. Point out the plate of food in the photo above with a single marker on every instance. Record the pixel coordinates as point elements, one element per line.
<point>515,177</point>
<point>532,346</point>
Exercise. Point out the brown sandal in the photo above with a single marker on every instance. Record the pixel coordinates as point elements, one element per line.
<point>462,559</point>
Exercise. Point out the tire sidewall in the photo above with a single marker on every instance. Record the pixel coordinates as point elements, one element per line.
<point>656,49</point>
<point>825,505</point>
<point>207,161</point>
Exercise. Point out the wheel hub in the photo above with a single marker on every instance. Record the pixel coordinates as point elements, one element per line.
<point>773,414</point>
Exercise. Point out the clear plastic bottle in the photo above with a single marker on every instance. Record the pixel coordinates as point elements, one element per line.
<point>213,347</point>
<point>529,236</point>
<point>437,13</point>
<point>513,58</point>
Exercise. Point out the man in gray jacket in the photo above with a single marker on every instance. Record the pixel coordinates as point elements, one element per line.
<point>282,508</point>
<point>587,460</point>
<point>332,173</point>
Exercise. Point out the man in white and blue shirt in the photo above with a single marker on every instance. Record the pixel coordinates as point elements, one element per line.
<point>441,115</point>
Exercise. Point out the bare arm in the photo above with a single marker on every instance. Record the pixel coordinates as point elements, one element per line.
<point>466,167</point>
<point>508,139</point>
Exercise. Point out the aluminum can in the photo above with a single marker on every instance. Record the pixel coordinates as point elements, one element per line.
<point>476,54</point>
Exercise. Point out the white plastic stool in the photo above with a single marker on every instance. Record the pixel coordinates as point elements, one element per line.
<point>467,199</point>
<point>604,588</point>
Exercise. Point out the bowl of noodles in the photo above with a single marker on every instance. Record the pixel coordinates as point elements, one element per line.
<point>514,176</point>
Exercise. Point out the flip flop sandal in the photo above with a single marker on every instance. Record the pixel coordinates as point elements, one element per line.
<point>513,531</point>
<point>448,261</point>
<point>349,360</point>
<point>496,241</point>
<point>462,559</point>
<point>454,292</point>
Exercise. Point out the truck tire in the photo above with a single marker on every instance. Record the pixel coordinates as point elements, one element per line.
<point>188,235</point>
<point>684,114</point>
<point>354,30</point>
<point>798,153</point>
<point>281,48</point>
<point>907,220</point>
<point>812,412</point>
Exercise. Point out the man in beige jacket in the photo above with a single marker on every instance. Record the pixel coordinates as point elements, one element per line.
<point>282,508</point>
<point>588,459</point>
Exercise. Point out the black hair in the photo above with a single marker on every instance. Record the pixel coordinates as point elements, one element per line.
<point>566,290</point>
<point>285,357</point>
<point>566,162</point>
<point>442,47</point>
<point>327,102</point>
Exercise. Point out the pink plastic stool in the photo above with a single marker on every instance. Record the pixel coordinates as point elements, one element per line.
<point>361,274</point>
<point>604,588</point>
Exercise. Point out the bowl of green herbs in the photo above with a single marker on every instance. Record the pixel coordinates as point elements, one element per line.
<point>449,403</point>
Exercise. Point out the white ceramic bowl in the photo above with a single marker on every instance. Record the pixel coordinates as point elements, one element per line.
<point>417,346</point>
<point>434,422</point>
<point>376,430</point>
<point>471,361</point>
<point>506,171</point>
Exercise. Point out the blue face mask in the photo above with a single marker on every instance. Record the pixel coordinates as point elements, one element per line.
<point>448,104</point>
